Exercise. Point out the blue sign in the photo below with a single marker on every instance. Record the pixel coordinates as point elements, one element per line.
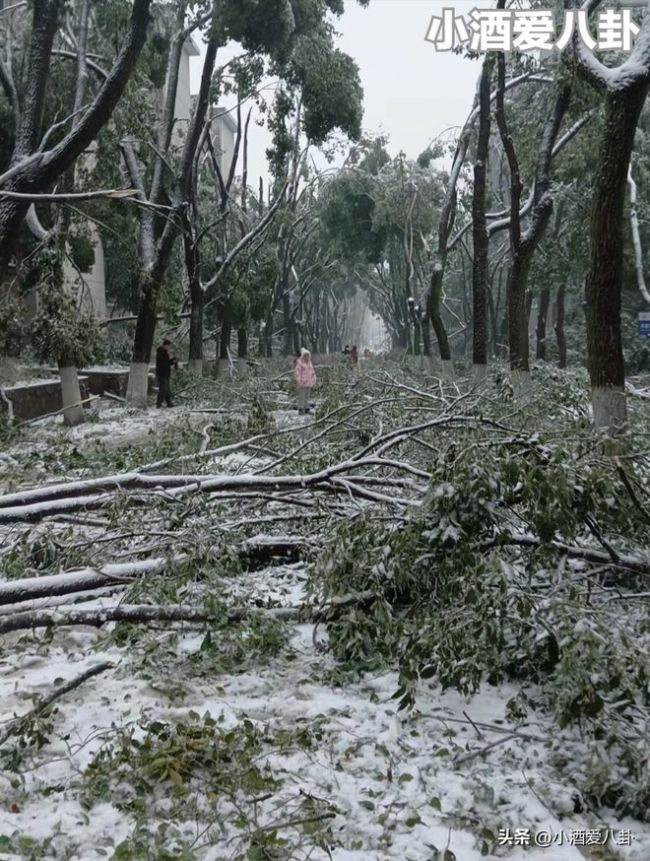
<point>643,325</point>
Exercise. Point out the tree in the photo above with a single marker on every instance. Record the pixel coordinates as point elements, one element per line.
<point>156,243</point>
<point>523,242</point>
<point>33,167</point>
<point>380,216</point>
<point>624,89</point>
<point>61,331</point>
<point>482,232</point>
<point>297,43</point>
<point>479,225</point>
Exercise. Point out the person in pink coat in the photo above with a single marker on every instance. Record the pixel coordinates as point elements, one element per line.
<point>305,379</point>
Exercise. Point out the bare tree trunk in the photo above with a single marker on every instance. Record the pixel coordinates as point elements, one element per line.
<point>524,243</point>
<point>242,351</point>
<point>287,322</point>
<point>426,335</point>
<point>157,257</point>
<point>197,302</point>
<point>447,217</point>
<point>542,318</point>
<point>636,238</point>
<point>559,325</point>
<point>518,312</point>
<point>433,309</point>
<point>223,363</point>
<point>45,20</point>
<point>479,223</point>
<point>605,280</point>
<point>493,305</point>
<point>73,411</point>
<point>195,363</point>
<point>529,307</point>
<point>268,336</point>
<point>145,327</point>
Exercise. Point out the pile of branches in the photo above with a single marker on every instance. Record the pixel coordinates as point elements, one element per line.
<point>455,533</point>
<point>147,514</point>
<point>369,454</point>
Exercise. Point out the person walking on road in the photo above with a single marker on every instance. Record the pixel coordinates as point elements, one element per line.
<point>165,361</point>
<point>354,358</point>
<point>304,376</point>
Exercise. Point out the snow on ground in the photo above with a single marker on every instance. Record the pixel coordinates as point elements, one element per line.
<point>109,427</point>
<point>390,776</point>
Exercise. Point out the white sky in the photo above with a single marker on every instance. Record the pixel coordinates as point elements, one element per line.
<point>412,93</point>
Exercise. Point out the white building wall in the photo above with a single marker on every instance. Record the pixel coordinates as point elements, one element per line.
<point>90,287</point>
<point>183,107</point>
<point>183,104</point>
<point>224,130</point>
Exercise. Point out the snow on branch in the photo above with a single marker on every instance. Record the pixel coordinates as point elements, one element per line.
<point>142,613</point>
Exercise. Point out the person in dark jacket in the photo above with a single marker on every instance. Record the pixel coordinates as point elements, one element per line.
<point>165,361</point>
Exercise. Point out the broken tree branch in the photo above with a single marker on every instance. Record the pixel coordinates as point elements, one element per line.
<point>15,725</point>
<point>34,505</point>
<point>254,552</point>
<point>69,616</point>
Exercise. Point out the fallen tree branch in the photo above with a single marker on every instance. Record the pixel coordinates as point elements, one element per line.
<point>73,197</point>
<point>638,393</point>
<point>205,433</point>
<point>34,505</point>
<point>58,412</point>
<point>15,725</point>
<point>587,554</point>
<point>74,598</point>
<point>255,552</point>
<point>631,492</point>
<point>114,397</point>
<point>482,751</point>
<point>213,452</point>
<point>69,616</point>
<point>84,580</point>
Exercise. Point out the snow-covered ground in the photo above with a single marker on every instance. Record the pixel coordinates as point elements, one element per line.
<point>346,775</point>
<point>390,778</point>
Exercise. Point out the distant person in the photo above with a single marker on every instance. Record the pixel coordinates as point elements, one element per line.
<point>346,351</point>
<point>165,361</point>
<point>305,379</point>
<point>354,357</point>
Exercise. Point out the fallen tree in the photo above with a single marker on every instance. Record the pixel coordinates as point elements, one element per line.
<point>143,613</point>
<point>84,580</point>
<point>254,553</point>
<point>34,505</point>
<point>520,556</point>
